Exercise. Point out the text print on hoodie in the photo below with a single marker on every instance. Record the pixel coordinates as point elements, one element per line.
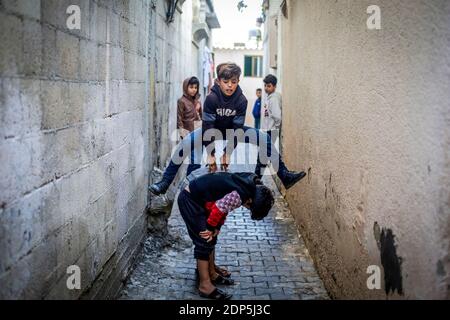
<point>221,112</point>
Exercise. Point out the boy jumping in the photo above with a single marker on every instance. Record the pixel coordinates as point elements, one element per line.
<point>224,109</point>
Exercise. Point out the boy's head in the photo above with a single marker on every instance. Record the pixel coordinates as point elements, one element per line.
<point>259,93</point>
<point>228,75</point>
<point>262,202</point>
<point>270,84</point>
<point>192,88</point>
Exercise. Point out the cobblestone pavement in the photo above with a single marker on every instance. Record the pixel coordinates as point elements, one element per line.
<point>268,260</point>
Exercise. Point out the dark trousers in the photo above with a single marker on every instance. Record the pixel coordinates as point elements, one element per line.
<point>194,215</point>
<point>194,141</point>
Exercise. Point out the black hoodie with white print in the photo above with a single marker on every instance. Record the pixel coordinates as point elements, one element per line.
<point>221,112</point>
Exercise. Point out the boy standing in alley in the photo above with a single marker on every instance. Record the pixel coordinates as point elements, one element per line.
<point>270,113</point>
<point>189,109</point>
<point>257,109</point>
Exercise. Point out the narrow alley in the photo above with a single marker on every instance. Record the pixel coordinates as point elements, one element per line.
<point>99,97</point>
<point>268,259</point>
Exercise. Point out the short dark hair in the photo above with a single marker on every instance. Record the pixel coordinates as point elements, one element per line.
<point>271,79</point>
<point>259,89</point>
<point>262,202</point>
<point>228,70</point>
<point>194,80</point>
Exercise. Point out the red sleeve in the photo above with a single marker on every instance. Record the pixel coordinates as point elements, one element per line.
<point>216,217</point>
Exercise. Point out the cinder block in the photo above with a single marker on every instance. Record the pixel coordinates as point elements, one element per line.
<point>117,62</point>
<point>19,172</point>
<point>114,28</point>
<point>49,58</point>
<point>133,38</point>
<point>102,62</point>
<point>21,116</point>
<point>33,276</point>
<point>32,48</point>
<point>23,225</point>
<point>27,8</point>
<point>142,68</point>
<point>54,12</point>
<point>98,23</point>
<point>11,53</point>
<point>68,53</point>
<point>11,112</point>
<point>54,99</point>
<point>94,104</point>
<point>89,60</point>
<point>131,96</point>
<point>113,96</point>
<point>100,137</point>
<point>125,33</point>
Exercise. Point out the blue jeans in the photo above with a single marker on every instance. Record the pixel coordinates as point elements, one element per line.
<point>193,143</point>
<point>257,123</point>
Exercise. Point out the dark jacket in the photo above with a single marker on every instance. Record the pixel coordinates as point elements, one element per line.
<point>257,109</point>
<point>187,109</point>
<point>214,186</point>
<point>221,112</point>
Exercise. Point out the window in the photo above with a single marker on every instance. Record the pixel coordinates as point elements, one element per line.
<point>253,66</point>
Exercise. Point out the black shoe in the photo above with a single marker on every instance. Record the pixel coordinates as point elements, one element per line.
<point>290,178</point>
<point>258,171</point>
<point>159,188</point>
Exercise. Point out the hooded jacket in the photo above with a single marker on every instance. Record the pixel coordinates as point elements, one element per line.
<point>221,112</point>
<point>187,109</point>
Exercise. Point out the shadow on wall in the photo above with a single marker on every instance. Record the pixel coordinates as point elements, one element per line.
<point>391,262</point>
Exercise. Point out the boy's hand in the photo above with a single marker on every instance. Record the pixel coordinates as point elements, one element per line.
<point>209,235</point>
<point>224,162</point>
<point>212,165</point>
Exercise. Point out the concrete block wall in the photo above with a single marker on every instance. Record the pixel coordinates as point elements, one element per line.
<point>173,61</point>
<point>73,145</point>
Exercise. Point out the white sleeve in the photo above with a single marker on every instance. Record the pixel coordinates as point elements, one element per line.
<point>276,110</point>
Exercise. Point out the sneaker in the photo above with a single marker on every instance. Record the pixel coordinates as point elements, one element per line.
<point>258,170</point>
<point>159,188</point>
<point>290,178</point>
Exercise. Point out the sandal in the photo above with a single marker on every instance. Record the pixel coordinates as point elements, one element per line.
<point>217,294</point>
<point>222,280</point>
<point>227,281</point>
<point>223,272</point>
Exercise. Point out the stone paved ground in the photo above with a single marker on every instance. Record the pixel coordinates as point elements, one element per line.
<point>268,260</point>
